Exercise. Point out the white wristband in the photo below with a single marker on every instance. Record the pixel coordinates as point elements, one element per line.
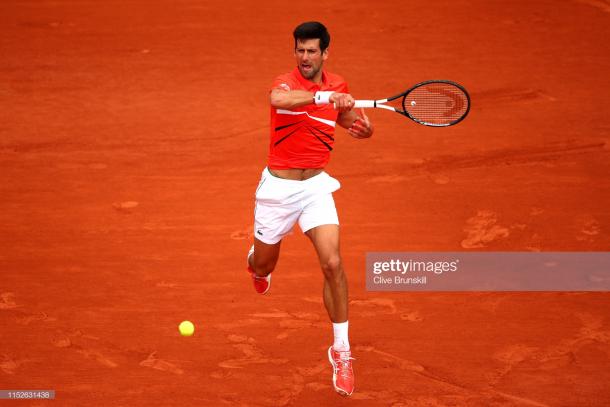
<point>322,97</point>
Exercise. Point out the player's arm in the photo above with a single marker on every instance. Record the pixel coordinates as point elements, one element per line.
<point>281,98</point>
<point>358,126</point>
<point>289,99</point>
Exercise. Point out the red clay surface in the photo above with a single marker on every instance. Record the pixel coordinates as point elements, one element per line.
<point>132,136</point>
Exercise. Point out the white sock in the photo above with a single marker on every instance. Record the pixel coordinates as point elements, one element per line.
<point>341,338</point>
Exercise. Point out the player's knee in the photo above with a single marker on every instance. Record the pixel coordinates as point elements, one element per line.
<point>332,267</point>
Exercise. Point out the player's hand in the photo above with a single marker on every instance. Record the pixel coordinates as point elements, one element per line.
<point>362,127</point>
<point>344,102</point>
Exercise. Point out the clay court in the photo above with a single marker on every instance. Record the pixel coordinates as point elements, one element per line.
<point>132,136</point>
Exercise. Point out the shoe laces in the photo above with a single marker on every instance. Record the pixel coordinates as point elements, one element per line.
<point>345,363</point>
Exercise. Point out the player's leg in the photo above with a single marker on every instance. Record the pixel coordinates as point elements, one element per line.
<point>264,257</point>
<point>325,239</point>
<point>274,218</point>
<point>320,223</point>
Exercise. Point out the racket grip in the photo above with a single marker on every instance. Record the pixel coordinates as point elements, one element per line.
<point>364,103</point>
<point>361,103</point>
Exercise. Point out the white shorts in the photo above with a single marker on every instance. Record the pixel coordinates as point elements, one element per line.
<point>280,203</point>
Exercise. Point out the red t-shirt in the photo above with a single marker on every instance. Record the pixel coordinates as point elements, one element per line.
<point>303,137</point>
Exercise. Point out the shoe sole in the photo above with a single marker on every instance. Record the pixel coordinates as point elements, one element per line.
<point>332,362</point>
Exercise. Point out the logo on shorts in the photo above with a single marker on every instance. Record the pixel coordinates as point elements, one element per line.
<point>259,232</point>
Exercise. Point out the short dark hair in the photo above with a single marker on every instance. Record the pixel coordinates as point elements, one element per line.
<point>310,31</point>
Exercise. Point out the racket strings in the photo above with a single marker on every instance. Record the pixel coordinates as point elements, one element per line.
<point>436,104</point>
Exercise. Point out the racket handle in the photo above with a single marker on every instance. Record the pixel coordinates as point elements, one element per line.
<point>361,103</point>
<point>364,103</point>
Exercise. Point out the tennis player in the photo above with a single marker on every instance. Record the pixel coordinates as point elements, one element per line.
<point>306,106</point>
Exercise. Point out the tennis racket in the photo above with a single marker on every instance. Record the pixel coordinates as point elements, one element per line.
<point>436,103</point>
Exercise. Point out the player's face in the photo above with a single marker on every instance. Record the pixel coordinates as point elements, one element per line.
<point>310,59</point>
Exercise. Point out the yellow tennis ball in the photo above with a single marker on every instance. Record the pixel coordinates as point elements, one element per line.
<point>186,328</point>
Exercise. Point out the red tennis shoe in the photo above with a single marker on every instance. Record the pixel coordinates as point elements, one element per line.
<point>343,374</point>
<point>261,284</point>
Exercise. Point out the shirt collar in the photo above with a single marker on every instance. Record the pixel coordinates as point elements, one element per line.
<point>309,84</point>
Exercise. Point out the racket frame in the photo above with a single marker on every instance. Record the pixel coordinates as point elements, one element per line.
<point>380,103</point>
